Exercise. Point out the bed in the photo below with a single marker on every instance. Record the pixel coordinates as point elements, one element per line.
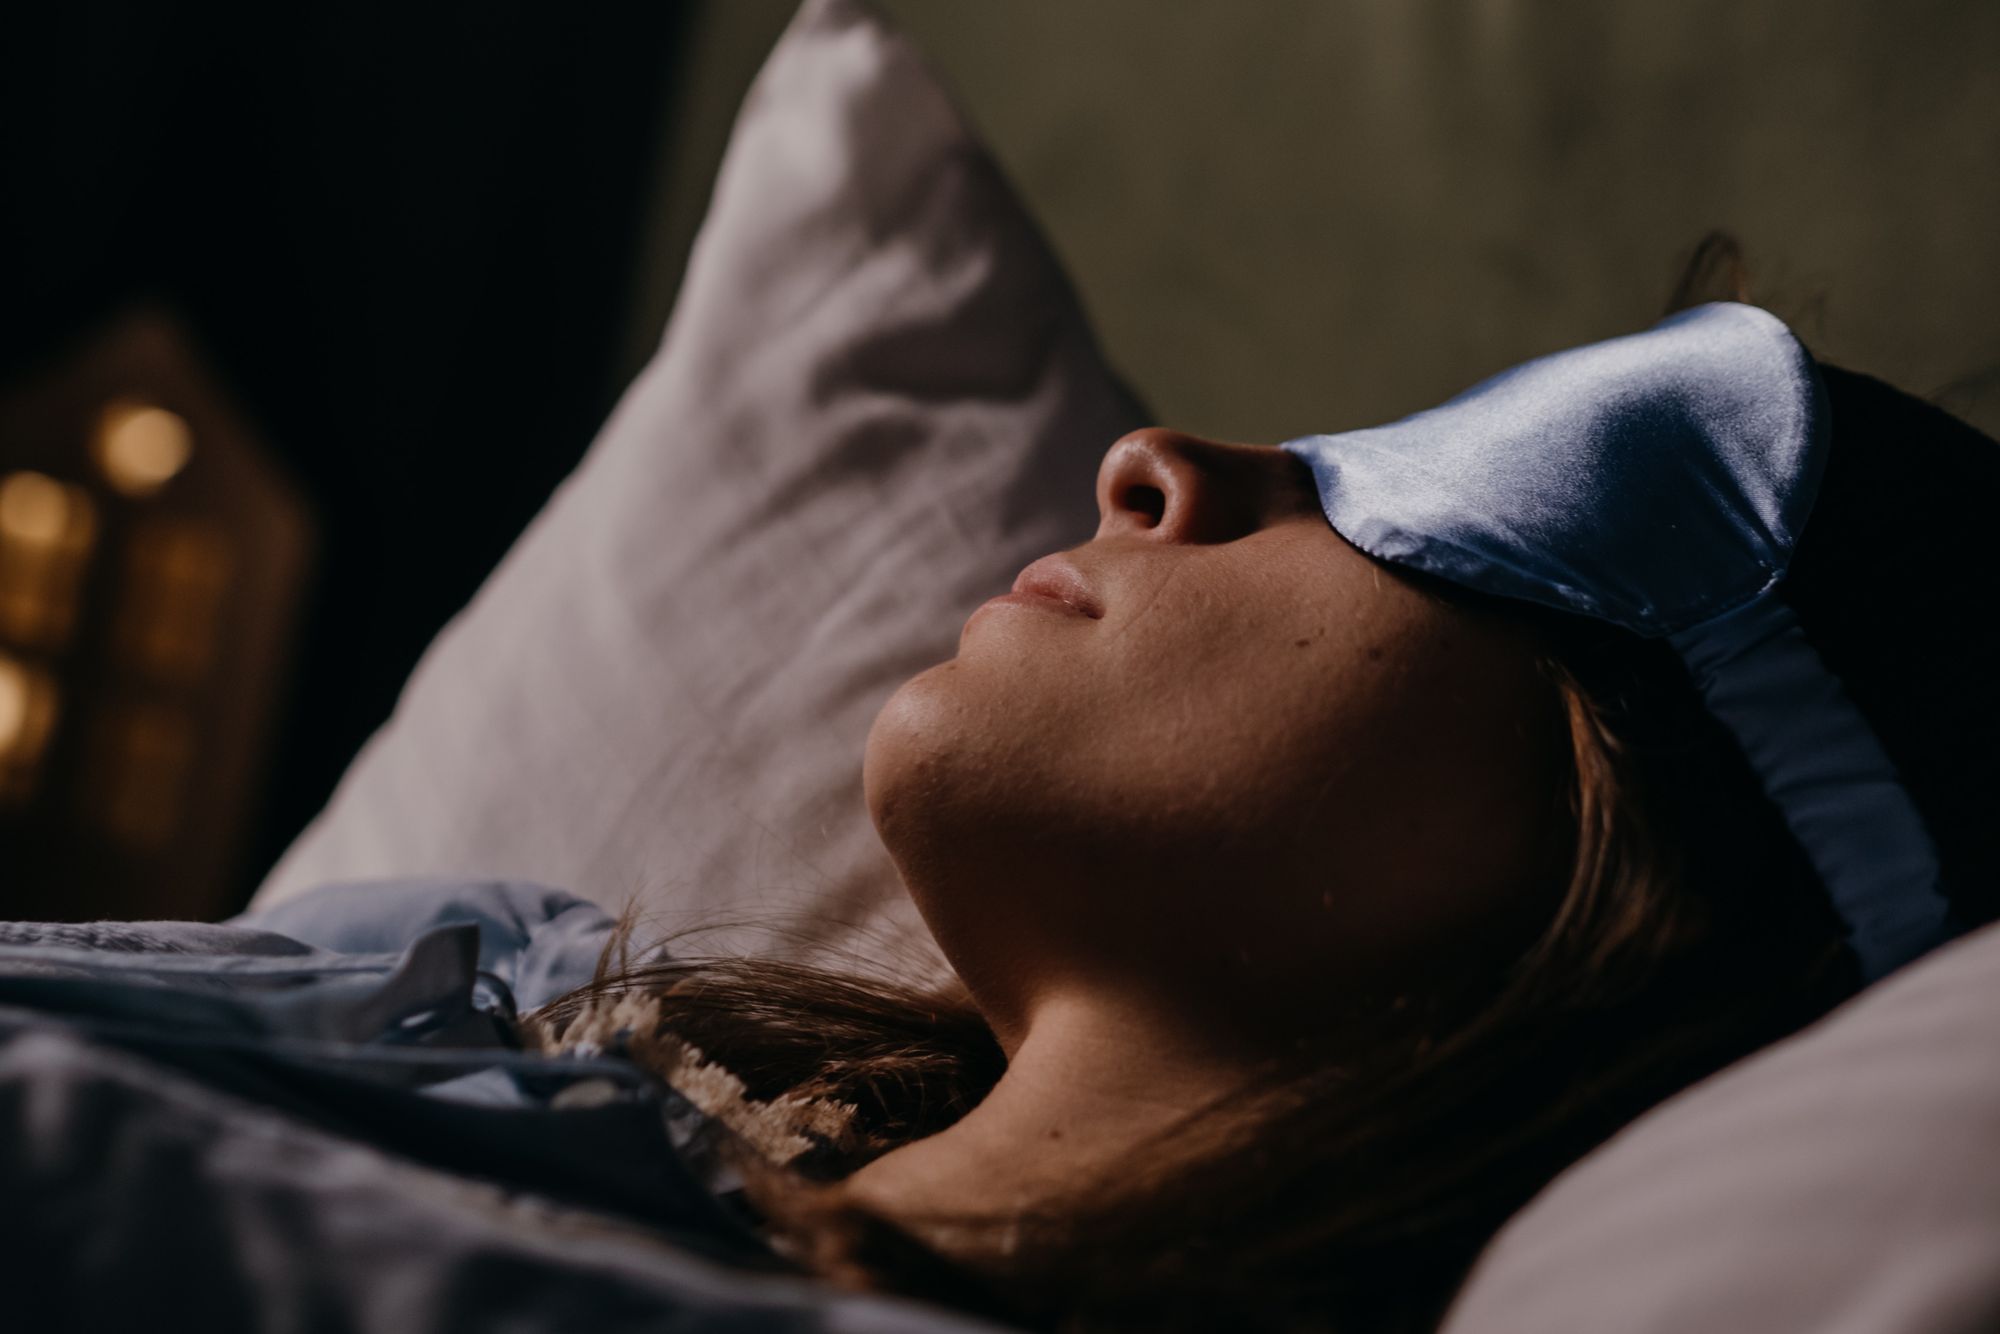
<point>657,703</point>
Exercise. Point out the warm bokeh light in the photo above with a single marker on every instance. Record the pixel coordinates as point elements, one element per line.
<point>34,509</point>
<point>140,447</point>
<point>13,706</point>
<point>47,529</point>
<point>27,714</point>
<point>152,562</point>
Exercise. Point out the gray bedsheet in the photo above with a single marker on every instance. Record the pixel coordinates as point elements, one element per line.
<point>318,1119</point>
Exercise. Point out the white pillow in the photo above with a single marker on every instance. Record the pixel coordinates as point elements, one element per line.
<point>1844,1181</point>
<point>877,399</point>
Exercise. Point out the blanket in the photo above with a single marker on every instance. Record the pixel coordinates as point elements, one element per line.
<point>321,1117</point>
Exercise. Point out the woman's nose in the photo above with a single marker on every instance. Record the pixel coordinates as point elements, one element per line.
<point>1181,488</point>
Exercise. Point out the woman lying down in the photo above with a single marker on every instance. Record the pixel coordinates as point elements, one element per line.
<point>1349,836</point>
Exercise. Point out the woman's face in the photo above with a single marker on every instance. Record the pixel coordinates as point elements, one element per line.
<point>1218,764</point>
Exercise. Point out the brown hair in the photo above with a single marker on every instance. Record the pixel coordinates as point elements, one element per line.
<point>1343,1197</point>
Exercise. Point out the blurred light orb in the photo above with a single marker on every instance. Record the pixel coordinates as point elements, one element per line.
<point>140,448</point>
<point>34,509</point>
<point>13,705</point>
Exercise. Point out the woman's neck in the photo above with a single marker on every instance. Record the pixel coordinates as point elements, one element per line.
<point>1083,1088</point>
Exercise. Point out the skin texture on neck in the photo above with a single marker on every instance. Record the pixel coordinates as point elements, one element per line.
<point>1083,1087</point>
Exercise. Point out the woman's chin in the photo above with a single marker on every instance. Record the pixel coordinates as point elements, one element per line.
<point>906,745</point>
<point>945,768</point>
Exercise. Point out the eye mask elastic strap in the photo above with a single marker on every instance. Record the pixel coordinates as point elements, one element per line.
<point>1825,769</point>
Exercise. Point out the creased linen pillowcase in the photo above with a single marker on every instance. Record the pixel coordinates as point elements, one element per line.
<point>1844,1181</point>
<point>877,399</point>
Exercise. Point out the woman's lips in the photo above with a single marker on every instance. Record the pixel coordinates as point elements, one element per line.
<point>1051,584</point>
<point>1053,578</point>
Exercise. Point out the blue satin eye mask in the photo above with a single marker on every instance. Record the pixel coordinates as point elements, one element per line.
<point>1660,482</point>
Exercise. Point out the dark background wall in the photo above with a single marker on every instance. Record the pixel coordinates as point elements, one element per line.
<point>402,235</point>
